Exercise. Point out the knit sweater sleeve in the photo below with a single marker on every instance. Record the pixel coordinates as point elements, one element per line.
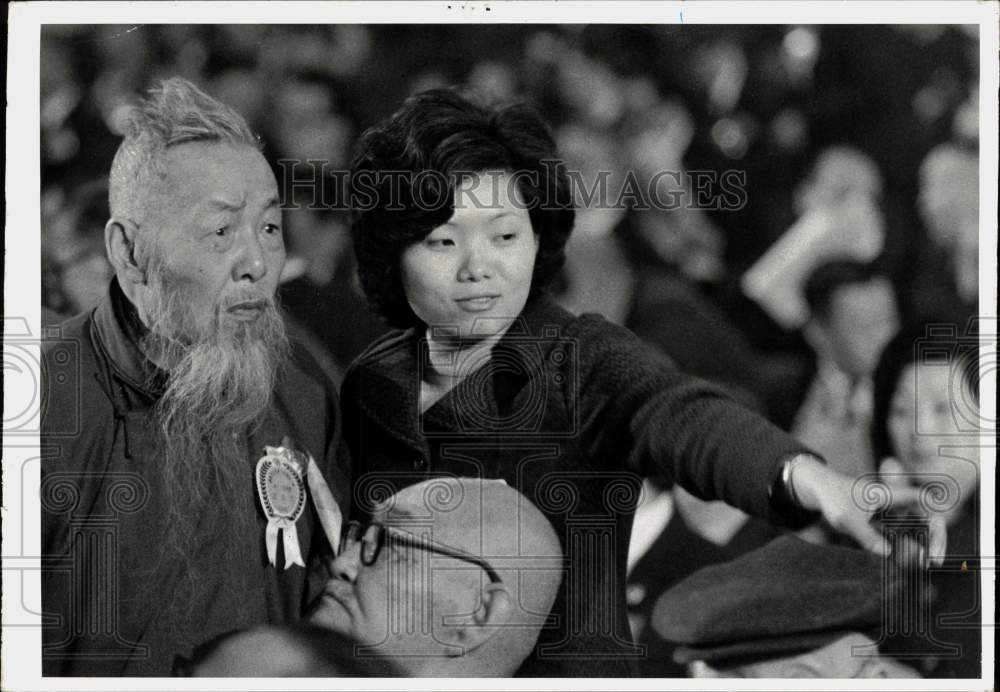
<point>666,423</point>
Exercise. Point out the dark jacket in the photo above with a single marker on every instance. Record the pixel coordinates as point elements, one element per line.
<point>573,412</point>
<point>114,603</point>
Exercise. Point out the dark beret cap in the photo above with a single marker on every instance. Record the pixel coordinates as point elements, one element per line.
<point>787,596</point>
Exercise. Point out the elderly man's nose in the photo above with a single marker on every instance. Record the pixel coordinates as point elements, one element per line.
<point>251,262</point>
<point>345,566</point>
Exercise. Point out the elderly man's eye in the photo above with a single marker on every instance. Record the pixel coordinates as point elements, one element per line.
<point>221,231</point>
<point>272,229</point>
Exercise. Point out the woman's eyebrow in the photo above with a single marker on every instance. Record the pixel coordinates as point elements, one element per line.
<point>490,217</point>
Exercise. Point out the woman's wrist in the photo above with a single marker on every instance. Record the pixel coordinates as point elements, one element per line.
<point>794,494</point>
<point>806,474</point>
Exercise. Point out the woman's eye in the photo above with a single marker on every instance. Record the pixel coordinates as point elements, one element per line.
<point>507,237</point>
<point>439,242</point>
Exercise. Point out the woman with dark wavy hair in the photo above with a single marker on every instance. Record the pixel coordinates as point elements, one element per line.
<point>460,218</point>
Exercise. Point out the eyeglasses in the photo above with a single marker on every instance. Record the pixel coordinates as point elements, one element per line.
<point>388,535</point>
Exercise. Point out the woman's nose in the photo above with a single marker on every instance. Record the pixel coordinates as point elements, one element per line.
<point>475,264</point>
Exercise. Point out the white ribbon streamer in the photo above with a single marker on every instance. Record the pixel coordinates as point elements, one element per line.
<point>271,540</point>
<point>330,516</point>
<point>293,553</point>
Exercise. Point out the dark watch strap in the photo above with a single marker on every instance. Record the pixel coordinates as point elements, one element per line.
<point>782,495</point>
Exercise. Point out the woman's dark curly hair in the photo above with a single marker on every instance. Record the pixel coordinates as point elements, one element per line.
<point>404,174</point>
<point>932,342</point>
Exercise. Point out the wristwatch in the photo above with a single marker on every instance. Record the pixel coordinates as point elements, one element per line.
<point>782,493</point>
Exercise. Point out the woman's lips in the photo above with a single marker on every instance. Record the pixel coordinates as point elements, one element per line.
<point>479,303</point>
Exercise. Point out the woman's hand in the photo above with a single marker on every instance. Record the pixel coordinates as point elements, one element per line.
<point>848,509</point>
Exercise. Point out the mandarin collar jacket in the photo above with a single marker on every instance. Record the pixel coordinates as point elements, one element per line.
<point>103,512</point>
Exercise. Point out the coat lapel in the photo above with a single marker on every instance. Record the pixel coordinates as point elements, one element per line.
<point>387,388</point>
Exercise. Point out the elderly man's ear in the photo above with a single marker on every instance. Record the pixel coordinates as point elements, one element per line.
<point>471,631</point>
<point>119,242</point>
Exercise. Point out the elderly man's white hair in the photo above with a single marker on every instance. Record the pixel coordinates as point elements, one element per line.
<point>174,112</point>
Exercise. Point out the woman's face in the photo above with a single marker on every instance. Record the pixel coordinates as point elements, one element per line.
<point>930,415</point>
<point>470,277</point>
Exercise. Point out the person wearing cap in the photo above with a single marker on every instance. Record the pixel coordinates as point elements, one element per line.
<point>790,609</point>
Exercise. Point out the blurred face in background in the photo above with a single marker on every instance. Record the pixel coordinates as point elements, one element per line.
<point>860,321</point>
<point>471,276</point>
<point>930,416</point>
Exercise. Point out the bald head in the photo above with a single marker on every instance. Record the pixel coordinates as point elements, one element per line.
<point>484,517</point>
<point>470,566</point>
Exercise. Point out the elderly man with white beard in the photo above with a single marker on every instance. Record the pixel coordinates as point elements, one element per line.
<point>191,474</point>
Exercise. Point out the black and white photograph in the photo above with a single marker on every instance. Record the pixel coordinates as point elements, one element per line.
<point>581,344</point>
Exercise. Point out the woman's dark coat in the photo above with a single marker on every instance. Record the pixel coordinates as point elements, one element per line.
<point>573,412</point>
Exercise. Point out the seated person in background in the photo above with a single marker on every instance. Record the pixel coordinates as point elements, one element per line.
<point>840,217</point>
<point>453,577</point>
<point>926,432</point>
<point>946,279</point>
<point>788,610</point>
<point>853,314</point>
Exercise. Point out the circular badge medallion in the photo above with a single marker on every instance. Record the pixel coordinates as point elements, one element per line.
<point>281,487</point>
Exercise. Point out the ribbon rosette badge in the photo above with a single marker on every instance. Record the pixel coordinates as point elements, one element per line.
<point>282,491</point>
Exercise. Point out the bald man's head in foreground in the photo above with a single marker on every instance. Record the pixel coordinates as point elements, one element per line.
<point>452,577</point>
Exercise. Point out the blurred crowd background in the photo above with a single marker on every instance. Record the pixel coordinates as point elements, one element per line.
<point>855,146</point>
<point>767,100</point>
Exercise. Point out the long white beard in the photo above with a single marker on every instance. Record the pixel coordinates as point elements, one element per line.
<point>221,376</point>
